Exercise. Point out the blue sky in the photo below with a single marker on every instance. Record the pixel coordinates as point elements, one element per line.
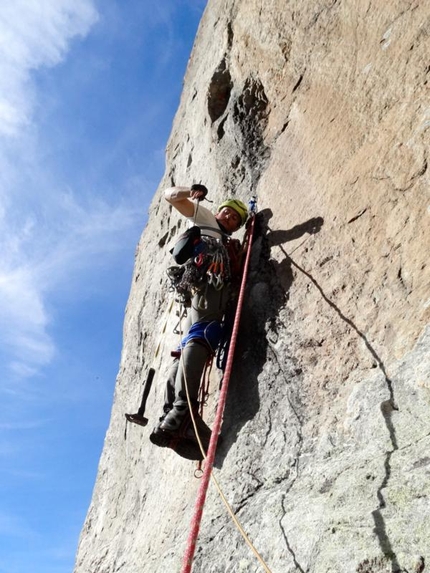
<point>88,91</point>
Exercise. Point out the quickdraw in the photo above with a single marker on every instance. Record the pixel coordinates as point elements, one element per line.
<point>218,270</point>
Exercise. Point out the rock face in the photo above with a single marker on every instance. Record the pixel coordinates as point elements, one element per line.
<point>322,110</point>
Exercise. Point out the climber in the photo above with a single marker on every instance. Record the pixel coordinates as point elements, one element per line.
<point>208,299</point>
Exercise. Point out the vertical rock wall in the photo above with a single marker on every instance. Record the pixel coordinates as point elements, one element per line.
<point>322,109</point>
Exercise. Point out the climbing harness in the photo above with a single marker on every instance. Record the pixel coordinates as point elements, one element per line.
<point>207,332</point>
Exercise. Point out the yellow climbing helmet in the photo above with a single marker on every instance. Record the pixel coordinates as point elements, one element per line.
<point>240,208</point>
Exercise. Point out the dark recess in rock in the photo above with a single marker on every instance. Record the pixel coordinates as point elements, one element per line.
<point>220,130</point>
<point>250,113</point>
<point>219,91</point>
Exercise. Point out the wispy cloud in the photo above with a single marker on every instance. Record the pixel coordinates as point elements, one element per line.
<point>48,235</point>
<point>34,34</point>
<point>41,258</point>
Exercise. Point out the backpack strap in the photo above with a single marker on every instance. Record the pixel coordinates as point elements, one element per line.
<point>216,230</point>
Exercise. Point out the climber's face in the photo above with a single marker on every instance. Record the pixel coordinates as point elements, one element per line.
<point>229,219</point>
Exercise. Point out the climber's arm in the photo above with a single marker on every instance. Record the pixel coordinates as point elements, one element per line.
<point>181,198</point>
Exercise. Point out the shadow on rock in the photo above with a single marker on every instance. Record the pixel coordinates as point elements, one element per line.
<point>387,408</point>
<point>268,289</point>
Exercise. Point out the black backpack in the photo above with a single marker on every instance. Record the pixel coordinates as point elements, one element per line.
<point>186,244</point>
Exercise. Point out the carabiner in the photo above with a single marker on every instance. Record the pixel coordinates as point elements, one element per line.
<point>202,303</point>
<point>219,283</point>
<point>199,259</point>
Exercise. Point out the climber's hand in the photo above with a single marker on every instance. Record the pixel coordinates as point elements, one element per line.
<point>198,191</point>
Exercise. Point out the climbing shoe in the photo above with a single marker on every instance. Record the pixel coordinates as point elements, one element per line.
<point>188,449</point>
<point>174,419</point>
<point>187,430</point>
<point>179,421</point>
<point>176,431</point>
<point>160,438</point>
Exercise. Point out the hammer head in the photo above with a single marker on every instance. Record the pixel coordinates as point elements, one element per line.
<point>137,419</point>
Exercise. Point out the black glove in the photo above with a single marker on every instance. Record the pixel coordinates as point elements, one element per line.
<point>201,188</point>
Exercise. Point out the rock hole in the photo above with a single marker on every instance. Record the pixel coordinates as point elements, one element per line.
<point>235,162</point>
<point>219,91</point>
<point>253,101</point>
<point>298,82</point>
<point>250,113</point>
<point>284,127</point>
<point>230,36</point>
<point>220,130</point>
<point>285,47</point>
<point>163,240</point>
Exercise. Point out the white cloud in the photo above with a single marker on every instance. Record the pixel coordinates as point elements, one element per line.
<point>34,33</point>
<point>54,237</point>
<point>23,321</point>
<point>79,239</point>
<point>47,236</point>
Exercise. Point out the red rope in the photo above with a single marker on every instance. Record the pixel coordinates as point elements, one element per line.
<point>210,458</point>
